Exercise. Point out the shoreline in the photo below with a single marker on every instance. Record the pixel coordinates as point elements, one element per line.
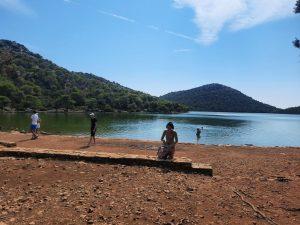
<point>18,137</point>
<point>43,133</point>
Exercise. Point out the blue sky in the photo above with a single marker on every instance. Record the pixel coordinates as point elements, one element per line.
<point>158,46</point>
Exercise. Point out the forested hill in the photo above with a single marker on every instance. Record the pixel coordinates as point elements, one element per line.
<point>292,110</point>
<point>218,98</point>
<point>27,80</point>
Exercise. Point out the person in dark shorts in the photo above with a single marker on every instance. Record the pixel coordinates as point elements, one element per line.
<point>198,135</point>
<point>33,127</point>
<point>93,128</point>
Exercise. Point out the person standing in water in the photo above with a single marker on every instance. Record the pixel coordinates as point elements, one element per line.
<point>198,132</point>
<point>169,139</point>
<point>198,135</point>
<point>93,128</point>
<point>33,126</point>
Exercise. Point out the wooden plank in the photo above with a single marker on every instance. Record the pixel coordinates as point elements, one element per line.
<point>178,164</point>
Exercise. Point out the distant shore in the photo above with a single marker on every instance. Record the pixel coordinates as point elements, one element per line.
<point>124,111</point>
<point>85,111</point>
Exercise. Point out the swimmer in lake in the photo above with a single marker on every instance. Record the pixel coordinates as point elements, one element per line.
<point>169,139</point>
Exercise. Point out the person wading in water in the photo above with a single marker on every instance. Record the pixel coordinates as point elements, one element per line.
<point>93,128</point>
<point>198,135</point>
<point>169,139</point>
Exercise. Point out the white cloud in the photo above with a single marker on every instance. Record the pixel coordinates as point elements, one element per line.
<point>153,27</point>
<point>117,16</point>
<point>16,6</point>
<point>211,16</point>
<point>182,50</point>
<point>180,35</point>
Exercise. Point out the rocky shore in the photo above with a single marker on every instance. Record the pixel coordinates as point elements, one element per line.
<point>250,185</point>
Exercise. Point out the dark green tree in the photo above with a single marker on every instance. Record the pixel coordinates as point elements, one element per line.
<point>91,104</point>
<point>7,89</point>
<point>65,102</point>
<point>132,107</point>
<point>108,108</point>
<point>297,10</point>
<point>78,98</point>
<point>4,102</point>
<point>32,102</point>
<point>31,90</point>
<point>296,43</point>
<point>297,7</point>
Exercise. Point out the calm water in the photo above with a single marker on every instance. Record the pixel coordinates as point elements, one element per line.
<point>218,128</point>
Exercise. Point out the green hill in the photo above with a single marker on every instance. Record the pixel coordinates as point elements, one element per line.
<point>292,110</point>
<point>27,80</point>
<point>218,98</point>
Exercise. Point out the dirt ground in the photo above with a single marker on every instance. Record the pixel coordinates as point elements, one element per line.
<point>251,185</point>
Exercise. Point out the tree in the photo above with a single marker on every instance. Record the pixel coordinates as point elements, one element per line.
<point>31,90</point>
<point>64,102</point>
<point>78,98</point>
<point>108,108</point>
<point>91,104</point>
<point>32,102</point>
<point>297,7</point>
<point>296,43</point>
<point>4,101</point>
<point>132,107</point>
<point>7,89</point>
<point>297,10</point>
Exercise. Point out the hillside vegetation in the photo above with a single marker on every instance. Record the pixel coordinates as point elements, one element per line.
<point>27,80</point>
<point>218,98</point>
<point>292,110</point>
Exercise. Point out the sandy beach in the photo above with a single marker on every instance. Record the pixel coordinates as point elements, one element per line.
<point>251,185</point>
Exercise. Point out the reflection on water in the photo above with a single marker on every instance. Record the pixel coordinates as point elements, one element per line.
<point>218,128</point>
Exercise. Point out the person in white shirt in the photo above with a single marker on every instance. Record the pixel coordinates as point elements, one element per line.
<point>34,124</point>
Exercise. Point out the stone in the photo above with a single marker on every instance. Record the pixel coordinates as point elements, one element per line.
<point>90,221</point>
<point>189,189</point>
<point>8,144</point>
<point>90,210</point>
<point>178,164</point>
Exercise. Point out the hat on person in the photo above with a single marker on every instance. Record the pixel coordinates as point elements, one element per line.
<point>92,114</point>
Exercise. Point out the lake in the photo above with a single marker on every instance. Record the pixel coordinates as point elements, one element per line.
<point>218,128</point>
